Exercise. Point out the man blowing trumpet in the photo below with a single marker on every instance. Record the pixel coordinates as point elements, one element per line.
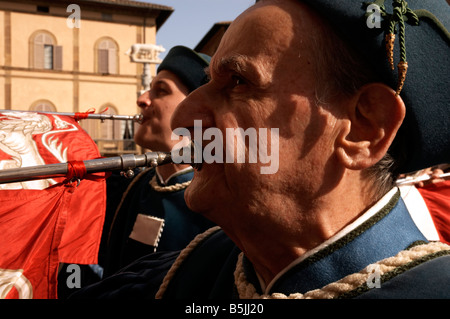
<point>330,216</point>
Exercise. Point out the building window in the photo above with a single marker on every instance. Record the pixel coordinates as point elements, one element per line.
<point>45,54</point>
<point>113,137</point>
<point>44,9</point>
<point>48,57</point>
<point>43,106</point>
<point>107,57</point>
<point>107,16</point>
<point>110,129</point>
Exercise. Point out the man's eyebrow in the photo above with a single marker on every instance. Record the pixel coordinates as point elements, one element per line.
<point>240,64</point>
<point>233,62</point>
<point>158,82</point>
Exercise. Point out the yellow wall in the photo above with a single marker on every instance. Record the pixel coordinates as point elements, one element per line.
<point>124,35</point>
<point>120,95</point>
<point>60,87</point>
<point>24,25</point>
<point>26,90</point>
<point>77,87</point>
<point>2,43</point>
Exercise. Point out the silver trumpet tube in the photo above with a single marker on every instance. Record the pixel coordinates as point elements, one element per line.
<point>124,163</point>
<point>136,118</point>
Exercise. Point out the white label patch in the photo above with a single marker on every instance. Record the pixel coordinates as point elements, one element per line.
<point>147,229</point>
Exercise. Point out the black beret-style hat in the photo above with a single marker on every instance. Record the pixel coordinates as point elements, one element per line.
<point>422,40</point>
<point>188,65</point>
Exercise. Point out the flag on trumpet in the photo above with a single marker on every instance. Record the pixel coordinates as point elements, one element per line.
<point>49,221</point>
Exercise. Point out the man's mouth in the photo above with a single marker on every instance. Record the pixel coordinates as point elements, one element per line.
<point>196,150</point>
<point>189,154</point>
<point>143,118</point>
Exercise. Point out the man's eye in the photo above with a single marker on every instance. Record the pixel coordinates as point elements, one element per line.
<point>237,80</point>
<point>160,92</point>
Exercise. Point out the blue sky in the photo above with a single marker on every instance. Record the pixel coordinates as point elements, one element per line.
<point>192,19</point>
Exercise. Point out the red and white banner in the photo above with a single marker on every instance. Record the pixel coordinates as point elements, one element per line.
<point>437,199</point>
<point>45,222</point>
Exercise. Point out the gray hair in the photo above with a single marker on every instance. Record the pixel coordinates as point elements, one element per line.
<point>341,71</point>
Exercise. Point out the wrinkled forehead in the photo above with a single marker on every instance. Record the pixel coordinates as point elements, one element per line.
<point>254,32</point>
<point>267,31</point>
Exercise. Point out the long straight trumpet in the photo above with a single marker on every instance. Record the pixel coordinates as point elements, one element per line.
<point>82,115</point>
<point>123,162</point>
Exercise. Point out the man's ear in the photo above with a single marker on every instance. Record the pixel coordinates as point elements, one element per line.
<point>374,115</point>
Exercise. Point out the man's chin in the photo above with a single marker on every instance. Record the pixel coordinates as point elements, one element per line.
<point>196,200</point>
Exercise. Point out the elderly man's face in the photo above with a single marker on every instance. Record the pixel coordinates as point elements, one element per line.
<point>262,76</point>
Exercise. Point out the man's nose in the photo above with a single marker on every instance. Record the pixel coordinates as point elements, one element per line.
<point>196,106</point>
<point>143,100</point>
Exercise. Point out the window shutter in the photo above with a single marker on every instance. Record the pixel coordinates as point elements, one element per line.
<point>57,58</point>
<point>102,61</point>
<point>112,61</point>
<point>38,59</point>
<point>92,127</point>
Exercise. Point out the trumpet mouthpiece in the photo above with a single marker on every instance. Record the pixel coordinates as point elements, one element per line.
<point>138,118</point>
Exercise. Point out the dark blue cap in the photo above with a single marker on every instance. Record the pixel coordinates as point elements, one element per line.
<point>188,65</point>
<point>424,137</point>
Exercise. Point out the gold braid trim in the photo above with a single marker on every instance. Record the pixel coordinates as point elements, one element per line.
<point>390,41</point>
<point>171,188</point>
<point>181,257</point>
<point>247,291</point>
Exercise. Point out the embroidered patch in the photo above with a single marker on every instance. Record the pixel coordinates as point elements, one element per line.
<point>147,229</point>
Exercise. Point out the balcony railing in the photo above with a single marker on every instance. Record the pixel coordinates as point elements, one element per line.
<point>116,147</point>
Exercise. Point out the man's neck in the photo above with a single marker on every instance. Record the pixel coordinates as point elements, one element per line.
<point>298,229</point>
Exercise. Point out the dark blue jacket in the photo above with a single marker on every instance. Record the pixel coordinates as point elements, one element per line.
<point>208,270</point>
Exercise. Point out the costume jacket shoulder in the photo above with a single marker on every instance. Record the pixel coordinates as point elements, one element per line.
<point>208,271</point>
<point>150,220</point>
<point>210,265</point>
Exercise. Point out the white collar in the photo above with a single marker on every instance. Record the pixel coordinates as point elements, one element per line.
<point>180,172</point>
